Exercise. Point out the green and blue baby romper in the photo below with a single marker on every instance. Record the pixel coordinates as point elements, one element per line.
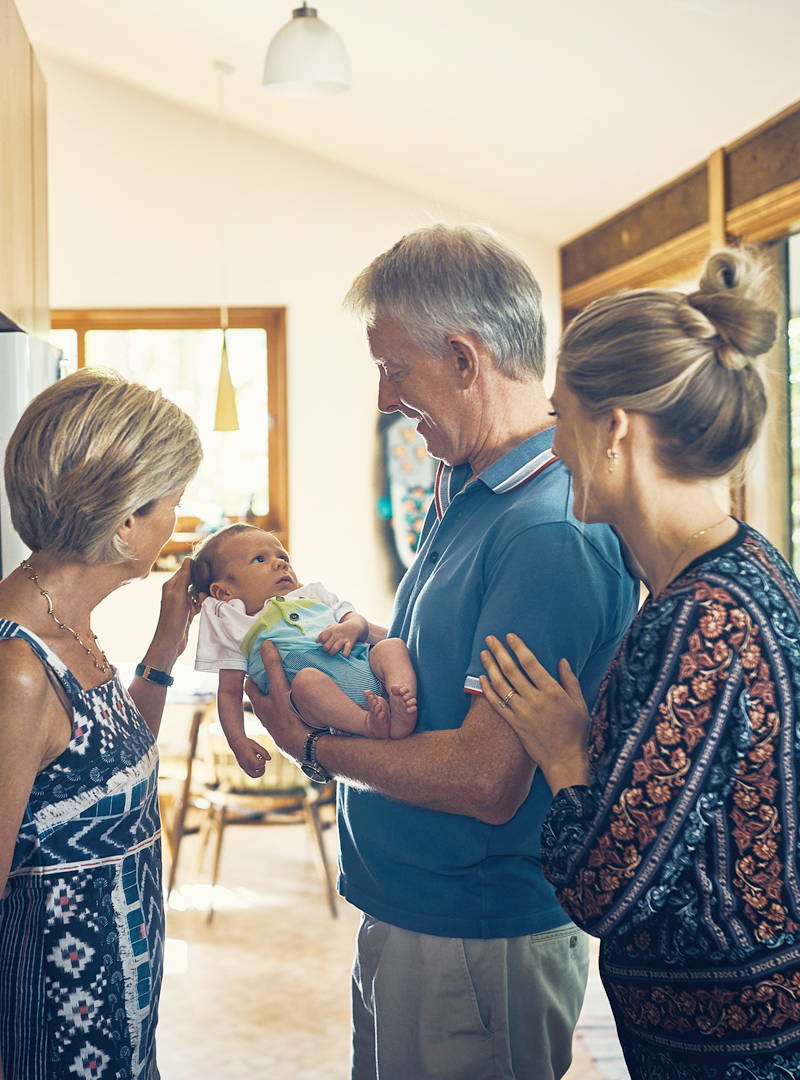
<point>230,638</point>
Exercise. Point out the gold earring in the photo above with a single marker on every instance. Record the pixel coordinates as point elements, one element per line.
<point>612,456</point>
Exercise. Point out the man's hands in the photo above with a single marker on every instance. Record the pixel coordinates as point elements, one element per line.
<point>274,710</point>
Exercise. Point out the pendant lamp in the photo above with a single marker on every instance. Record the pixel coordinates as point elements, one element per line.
<point>306,57</point>
<point>226,417</point>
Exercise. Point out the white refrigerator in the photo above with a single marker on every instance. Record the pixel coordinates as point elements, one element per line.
<point>27,366</point>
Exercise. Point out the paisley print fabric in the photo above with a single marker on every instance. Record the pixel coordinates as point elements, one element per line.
<point>81,925</point>
<point>682,855</point>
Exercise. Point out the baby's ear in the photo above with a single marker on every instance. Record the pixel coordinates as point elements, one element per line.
<point>218,591</point>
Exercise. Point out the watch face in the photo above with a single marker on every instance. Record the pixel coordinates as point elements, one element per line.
<point>313,772</point>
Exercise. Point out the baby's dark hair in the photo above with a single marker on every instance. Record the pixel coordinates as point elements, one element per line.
<point>206,556</point>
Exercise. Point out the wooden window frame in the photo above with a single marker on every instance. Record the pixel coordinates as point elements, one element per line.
<point>270,319</point>
<point>748,191</point>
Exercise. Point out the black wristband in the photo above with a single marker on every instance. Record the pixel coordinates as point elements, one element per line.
<point>144,671</point>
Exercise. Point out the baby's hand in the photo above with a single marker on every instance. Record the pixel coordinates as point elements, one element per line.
<point>251,756</point>
<point>340,637</point>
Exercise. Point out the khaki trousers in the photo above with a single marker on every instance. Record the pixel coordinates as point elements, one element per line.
<point>434,1008</point>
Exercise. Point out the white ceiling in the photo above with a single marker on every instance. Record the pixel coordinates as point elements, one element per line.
<point>543,116</point>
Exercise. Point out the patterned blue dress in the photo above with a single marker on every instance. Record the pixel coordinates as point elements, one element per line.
<point>81,927</point>
<point>683,854</point>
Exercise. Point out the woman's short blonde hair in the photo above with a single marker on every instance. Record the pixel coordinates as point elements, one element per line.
<point>88,452</point>
<point>685,360</point>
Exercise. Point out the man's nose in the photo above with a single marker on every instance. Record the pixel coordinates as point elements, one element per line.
<point>388,401</point>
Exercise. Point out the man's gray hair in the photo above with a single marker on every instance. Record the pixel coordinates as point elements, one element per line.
<point>445,280</point>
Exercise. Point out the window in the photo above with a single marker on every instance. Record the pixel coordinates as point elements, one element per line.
<point>244,473</point>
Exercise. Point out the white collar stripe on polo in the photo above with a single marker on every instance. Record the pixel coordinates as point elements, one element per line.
<point>526,472</point>
<point>442,486</point>
<point>437,491</point>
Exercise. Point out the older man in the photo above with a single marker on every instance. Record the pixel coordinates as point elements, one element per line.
<point>466,966</point>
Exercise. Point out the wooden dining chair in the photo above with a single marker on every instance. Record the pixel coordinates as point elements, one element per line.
<point>190,787</point>
<point>281,795</point>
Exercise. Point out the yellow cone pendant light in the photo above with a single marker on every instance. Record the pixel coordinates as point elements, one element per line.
<point>226,418</point>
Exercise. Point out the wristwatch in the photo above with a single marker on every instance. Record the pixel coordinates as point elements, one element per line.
<point>309,765</point>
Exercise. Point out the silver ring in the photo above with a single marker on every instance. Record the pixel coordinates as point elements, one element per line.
<point>508,698</point>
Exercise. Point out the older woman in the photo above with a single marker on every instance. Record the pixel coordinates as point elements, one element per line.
<point>674,836</point>
<point>94,472</point>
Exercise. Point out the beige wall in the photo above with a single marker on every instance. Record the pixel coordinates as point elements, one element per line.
<point>134,211</point>
<point>23,178</point>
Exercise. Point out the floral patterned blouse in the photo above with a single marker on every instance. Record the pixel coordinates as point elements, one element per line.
<point>683,853</point>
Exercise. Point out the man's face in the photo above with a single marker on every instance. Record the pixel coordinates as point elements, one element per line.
<point>423,387</point>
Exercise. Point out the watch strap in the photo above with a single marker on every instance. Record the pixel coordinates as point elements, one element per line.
<point>151,674</point>
<point>310,755</point>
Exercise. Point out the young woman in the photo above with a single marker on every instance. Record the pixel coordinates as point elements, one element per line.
<point>673,836</point>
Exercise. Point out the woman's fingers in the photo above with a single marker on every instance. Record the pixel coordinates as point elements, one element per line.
<point>177,591</point>
<point>570,683</point>
<point>536,672</point>
<point>496,678</point>
<point>507,665</point>
<point>490,695</point>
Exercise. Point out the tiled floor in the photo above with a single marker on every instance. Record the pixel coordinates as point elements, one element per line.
<point>264,990</point>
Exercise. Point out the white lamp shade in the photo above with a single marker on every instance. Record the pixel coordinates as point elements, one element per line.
<point>306,57</point>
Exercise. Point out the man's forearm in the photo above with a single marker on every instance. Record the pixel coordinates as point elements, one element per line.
<point>440,770</point>
<point>479,770</point>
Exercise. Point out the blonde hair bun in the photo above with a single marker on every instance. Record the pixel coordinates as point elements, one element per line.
<point>730,282</point>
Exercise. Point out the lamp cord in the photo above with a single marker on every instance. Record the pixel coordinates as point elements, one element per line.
<point>224,70</point>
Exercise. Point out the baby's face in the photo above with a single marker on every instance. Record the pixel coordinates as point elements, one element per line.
<point>255,568</point>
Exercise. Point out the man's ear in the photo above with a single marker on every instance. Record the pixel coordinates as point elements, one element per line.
<point>218,591</point>
<point>467,354</point>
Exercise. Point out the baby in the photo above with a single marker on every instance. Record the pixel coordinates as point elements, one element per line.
<point>336,679</point>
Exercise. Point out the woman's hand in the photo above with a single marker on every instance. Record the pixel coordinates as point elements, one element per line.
<point>550,718</point>
<point>178,607</point>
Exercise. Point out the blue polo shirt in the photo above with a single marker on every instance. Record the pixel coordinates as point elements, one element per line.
<point>503,553</point>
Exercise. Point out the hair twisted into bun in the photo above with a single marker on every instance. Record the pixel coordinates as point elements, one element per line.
<point>725,295</point>
<point>685,361</point>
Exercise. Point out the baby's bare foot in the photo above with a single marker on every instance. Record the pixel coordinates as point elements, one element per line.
<point>377,726</point>
<point>402,711</point>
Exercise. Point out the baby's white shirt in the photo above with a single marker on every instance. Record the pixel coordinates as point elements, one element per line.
<point>224,624</point>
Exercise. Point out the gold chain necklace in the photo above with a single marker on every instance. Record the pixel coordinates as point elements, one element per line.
<point>104,666</point>
<point>694,536</point>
